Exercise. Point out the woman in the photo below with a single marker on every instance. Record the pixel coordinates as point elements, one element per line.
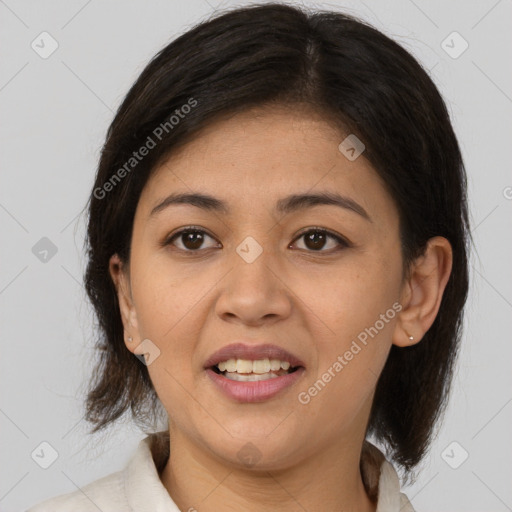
<point>278,234</point>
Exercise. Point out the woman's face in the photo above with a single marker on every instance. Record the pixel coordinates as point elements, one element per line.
<point>257,273</point>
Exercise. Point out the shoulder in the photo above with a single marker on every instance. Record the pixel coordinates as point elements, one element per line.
<point>136,487</point>
<point>390,497</point>
<point>105,494</point>
<point>381,481</point>
<point>405,504</point>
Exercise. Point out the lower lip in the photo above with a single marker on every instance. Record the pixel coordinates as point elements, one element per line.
<point>258,391</point>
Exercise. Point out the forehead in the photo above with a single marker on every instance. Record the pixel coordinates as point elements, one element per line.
<point>257,156</point>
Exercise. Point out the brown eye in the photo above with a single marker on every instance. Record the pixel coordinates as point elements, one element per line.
<point>316,240</point>
<point>189,240</point>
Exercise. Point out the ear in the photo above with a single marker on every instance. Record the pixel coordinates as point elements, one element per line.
<point>121,279</point>
<point>423,291</point>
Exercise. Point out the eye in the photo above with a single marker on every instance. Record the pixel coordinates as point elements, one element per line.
<point>315,239</point>
<point>191,239</point>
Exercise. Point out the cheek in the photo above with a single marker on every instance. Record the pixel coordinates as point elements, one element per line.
<point>352,298</point>
<point>352,341</point>
<point>169,313</point>
<point>355,311</point>
<point>166,295</point>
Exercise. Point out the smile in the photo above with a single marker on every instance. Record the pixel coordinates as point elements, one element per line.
<point>253,387</point>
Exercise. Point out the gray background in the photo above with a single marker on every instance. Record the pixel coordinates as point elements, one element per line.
<point>55,113</point>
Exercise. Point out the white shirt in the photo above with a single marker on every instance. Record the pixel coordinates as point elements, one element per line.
<point>138,488</point>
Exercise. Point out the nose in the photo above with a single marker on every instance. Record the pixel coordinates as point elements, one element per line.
<point>253,293</point>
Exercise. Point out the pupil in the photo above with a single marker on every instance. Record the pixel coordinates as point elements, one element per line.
<point>317,240</point>
<point>193,240</point>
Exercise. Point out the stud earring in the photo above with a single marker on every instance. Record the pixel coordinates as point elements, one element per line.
<point>130,338</point>
<point>410,337</point>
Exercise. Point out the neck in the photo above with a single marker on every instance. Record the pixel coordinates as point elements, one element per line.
<point>198,481</point>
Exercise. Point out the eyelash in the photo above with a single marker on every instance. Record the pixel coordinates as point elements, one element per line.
<point>343,243</point>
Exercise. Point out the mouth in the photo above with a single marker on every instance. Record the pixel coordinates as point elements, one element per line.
<point>248,373</point>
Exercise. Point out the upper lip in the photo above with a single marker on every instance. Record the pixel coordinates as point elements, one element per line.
<point>252,352</point>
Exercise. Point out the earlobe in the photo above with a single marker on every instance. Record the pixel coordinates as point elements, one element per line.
<point>423,292</point>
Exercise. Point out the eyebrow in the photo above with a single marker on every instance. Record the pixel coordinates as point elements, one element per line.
<point>286,205</point>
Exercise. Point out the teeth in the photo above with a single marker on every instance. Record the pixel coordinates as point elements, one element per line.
<point>275,365</point>
<point>243,366</point>
<point>252,377</point>
<point>246,366</point>
<point>261,366</point>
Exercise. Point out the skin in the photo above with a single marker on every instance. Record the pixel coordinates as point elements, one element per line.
<point>313,303</point>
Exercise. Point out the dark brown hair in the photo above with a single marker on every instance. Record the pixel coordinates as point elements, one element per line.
<point>355,76</point>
